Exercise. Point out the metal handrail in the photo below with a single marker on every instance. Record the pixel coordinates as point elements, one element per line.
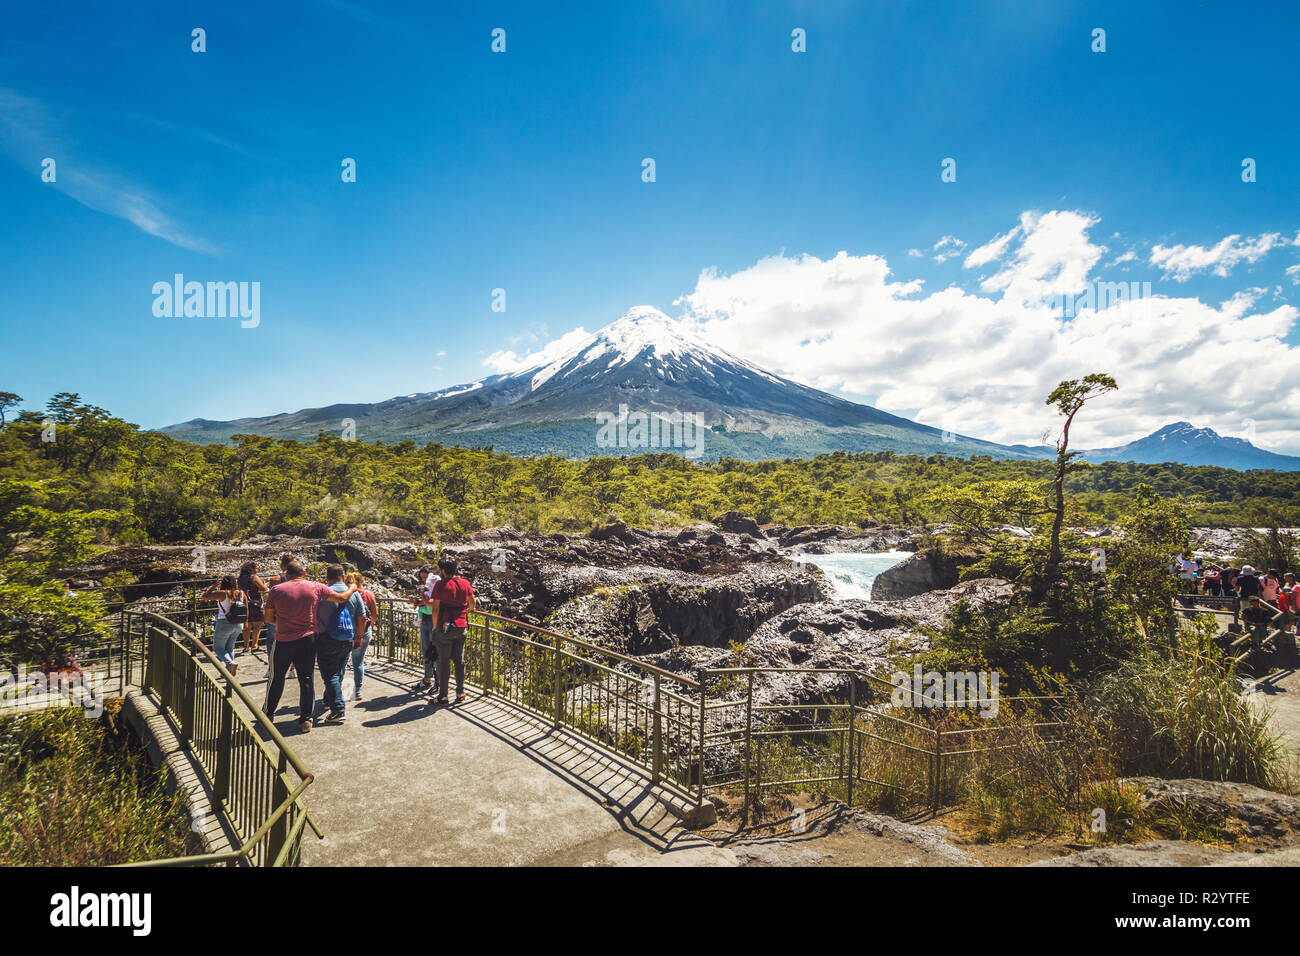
<point>286,758</point>
<point>560,677</point>
<point>640,665</point>
<point>238,688</point>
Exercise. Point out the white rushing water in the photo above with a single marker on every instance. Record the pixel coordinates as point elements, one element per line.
<point>851,573</point>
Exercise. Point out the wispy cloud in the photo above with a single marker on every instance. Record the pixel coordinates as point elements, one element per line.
<point>361,14</point>
<point>1181,262</point>
<point>29,132</point>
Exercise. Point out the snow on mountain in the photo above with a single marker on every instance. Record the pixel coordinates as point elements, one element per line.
<point>644,362</point>
<point>641,334</point>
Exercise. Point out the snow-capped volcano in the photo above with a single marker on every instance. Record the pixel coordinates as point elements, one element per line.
<point>643,362</point>
<point>642,334</point>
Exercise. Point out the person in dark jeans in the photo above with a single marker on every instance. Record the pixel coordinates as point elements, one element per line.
<point>301,655</point>
<point>291,607</point>
<point>428,646</point>
<point>453,599</point>
<point>336,625</point>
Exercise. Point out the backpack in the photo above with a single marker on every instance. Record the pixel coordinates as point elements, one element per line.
<point>237,613</point>
<point>342,626</point>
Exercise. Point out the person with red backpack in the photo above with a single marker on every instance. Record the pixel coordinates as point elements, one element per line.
<point>453,599</point>
<point>366,627</point>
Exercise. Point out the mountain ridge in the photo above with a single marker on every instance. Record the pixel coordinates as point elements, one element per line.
<point>647,362</point>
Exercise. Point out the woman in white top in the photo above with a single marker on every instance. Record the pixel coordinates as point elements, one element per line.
<point>231,615</point>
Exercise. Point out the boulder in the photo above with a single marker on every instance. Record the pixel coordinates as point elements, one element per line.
<point>924,571</point>
<point>652,610</point>
<point>852,635</point>
<point>615,531</point>
<point>738,523</point>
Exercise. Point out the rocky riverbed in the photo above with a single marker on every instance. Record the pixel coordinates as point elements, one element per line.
<point>679,597</point>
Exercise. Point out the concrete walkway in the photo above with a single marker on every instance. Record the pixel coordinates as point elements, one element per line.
<point>1279,694</point>
<point>481,784</point>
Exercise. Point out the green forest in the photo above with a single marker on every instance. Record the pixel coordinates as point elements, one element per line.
<point>147,486</point>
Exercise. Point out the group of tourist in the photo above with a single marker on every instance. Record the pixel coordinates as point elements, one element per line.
<point>313,626</point>
<point>1268,598</point>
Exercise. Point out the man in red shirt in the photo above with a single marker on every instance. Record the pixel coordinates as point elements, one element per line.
<point>453,599</point>
<point>291,607</point>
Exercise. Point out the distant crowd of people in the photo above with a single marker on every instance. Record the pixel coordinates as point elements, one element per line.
<point>327,626</point>
<point>1268,598</point>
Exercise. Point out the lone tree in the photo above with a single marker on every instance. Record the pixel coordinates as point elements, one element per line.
<point>1068,397</point>
<point>8,400</point>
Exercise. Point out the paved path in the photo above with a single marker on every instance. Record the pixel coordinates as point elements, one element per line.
<point>481,784</point>
<point>1279,693</point>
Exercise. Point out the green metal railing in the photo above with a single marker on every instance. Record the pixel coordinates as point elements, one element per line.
<point>707,737</point>
<point>644,715</point>
<point>257,781</point>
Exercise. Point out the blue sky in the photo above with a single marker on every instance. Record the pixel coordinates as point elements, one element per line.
<point>522,171</point>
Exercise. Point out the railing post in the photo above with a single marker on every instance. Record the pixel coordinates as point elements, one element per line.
<point>749,714</point>
<point>938,768</point>
<point>279,832</point>
<point>703,680</point>
<point>485,638</point>
<point>559,684</point>
<point>853,734</point>
<point>658,736</point>
<point>188,697</point>
<point>225,744</point>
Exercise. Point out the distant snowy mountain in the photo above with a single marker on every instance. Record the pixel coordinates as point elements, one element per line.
<point>643,363</point>
<point>1182,442</point>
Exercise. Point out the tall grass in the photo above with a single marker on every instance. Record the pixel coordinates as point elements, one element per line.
<point>74,793</point>
<point>1170,717</point>
<point>1183,716</point>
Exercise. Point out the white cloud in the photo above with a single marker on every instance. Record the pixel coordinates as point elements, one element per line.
<point>1294,273</point>
<point>982,364</point>
<point>991,251</point>
<point>952,246</point>
<point>1053,257</point>
<point>1181,262</point>
<point>506,360</point>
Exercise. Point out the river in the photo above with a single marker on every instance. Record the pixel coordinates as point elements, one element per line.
<point>850,573</point>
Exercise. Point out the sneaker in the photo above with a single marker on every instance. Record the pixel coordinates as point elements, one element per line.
<point>358,695</point>
<point>304,726</point>
<point>335,717</point>
<point>460,698</point>
<point>233,668</point>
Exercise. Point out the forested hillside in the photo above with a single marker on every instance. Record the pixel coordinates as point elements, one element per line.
<point>76,456</point>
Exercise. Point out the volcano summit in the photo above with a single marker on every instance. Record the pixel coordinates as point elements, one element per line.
<point>646,361</point>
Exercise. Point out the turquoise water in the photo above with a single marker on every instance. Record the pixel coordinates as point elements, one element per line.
<point>850,573</point>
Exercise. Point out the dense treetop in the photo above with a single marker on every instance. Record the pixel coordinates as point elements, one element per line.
<point>162,489</point>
